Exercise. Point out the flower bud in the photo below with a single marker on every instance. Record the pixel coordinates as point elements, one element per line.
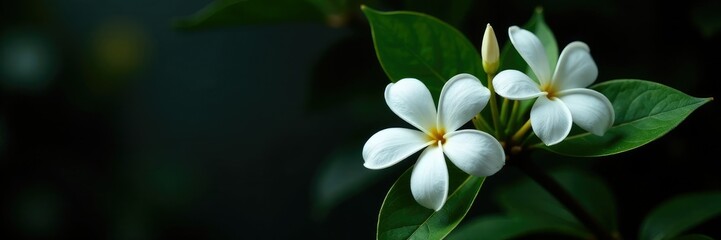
<point>489,51</point>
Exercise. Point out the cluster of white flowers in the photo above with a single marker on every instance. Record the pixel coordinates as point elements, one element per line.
<point>561,100</point>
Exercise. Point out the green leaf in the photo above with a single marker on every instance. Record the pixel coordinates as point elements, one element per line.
<point>415,45</point>
<point>499,227</point>
<point>401,217</point>
<point>339,177</point>
<point>679,214</point>
<point>245,12</point>
<point>590,191</point>
<point>453,12</point>
<point>645,111</point>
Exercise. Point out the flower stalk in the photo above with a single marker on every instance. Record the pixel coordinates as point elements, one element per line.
<point>494,108</point>
<point>490,54</point>
<point>512,120</point>
<point>521,132</point>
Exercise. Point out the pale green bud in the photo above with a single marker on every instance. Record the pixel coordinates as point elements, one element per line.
<point>490,51</point>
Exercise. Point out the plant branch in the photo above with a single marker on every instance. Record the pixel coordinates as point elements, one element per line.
<point>494,107</point>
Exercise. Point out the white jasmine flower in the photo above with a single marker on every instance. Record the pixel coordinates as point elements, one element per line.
<point>562,98</point>
<point>475,152</point>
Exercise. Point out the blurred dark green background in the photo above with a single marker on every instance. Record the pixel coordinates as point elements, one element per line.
<point>116,125</point>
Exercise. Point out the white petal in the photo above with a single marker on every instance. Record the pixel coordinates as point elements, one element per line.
<point>462,97</point>
<point>391,145</point>
<point>531,49</point>
<point>576,68</point>
<point>516,85</point>
<point>411,101</point>
<point>429,179</point>
<point>551,120</point>
<point>475,152</point>
<point>591,110</point>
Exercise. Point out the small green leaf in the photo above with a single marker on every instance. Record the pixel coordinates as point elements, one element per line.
<point>679,214</point>
<point>244,12</point>
<point>645,111</point>
<point>401,217</point>
<point>499,227</point>
<point>415,45</point>
<point>590,191</point>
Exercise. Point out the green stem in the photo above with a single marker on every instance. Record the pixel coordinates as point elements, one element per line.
<point>480,123</point>
<point>512,119</point>
<point>555,189</point>
<point>504,113</point>
<point>521,132</point>
<point>494,106</point>
<point>521,114</point>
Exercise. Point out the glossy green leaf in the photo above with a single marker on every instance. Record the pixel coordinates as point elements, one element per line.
<point>499,227</point>
<point>679,214</point>
<point>401,217</point>
<point>590,191</point>
<point>244,12</point>
<point>339,177</point>
<point>452,12</point>
<point>644,111</point>
<point>416,45</point>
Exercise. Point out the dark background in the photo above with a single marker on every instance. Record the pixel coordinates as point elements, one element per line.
<point>115,125</point>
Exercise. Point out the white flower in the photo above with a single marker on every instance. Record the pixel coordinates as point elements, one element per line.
<point>562,98</point>
<point>475,152</point>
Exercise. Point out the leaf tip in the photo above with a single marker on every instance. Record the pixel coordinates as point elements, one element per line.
<point>707,99</point>
<point>365,8</point>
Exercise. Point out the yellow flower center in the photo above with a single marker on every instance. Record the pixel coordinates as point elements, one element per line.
<point>437,135</point>
<point>550,90</point>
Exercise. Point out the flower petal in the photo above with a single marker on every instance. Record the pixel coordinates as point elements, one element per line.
<point>429,179</point>
<point>462,97</point>
<point>551,120</point>
<point>591,110</point>
<point>391,145</point>
<point>576,68</point>
<point>515,85</point>
<point>475,152</point>
<point>531,49</point>
<point>411,101</point>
